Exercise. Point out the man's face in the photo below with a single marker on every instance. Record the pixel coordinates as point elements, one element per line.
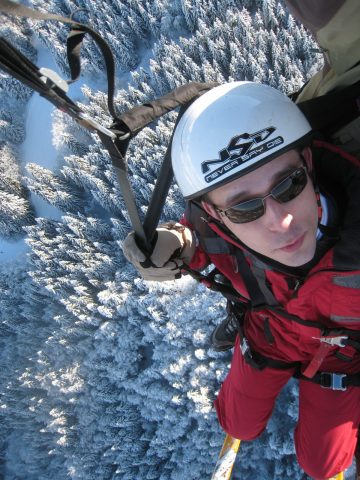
<point>286,232</point>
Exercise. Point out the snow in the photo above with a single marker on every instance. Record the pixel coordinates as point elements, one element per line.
<point>11,251</point>
<point>38,147</point>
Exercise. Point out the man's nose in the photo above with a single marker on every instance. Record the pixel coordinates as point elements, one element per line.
<point>277,217</point>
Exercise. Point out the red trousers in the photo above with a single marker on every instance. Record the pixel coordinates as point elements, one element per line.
<point>327,428</point>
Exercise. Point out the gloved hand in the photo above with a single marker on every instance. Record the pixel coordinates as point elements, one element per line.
<point>175,245</point>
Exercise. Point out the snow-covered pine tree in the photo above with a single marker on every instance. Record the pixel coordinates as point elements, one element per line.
<point>57,192</point>
<point>15,213</point>
<point>17,32</point>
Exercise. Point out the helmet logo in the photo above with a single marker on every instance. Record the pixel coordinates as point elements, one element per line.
<point>240,149</point>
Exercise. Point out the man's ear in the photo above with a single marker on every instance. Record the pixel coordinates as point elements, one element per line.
<point>307,156</point>
<point>210,210</point>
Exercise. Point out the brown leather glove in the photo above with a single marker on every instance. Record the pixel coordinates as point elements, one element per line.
<point>175,245</point>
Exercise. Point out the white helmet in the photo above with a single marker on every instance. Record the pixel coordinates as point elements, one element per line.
<point>231,130</point>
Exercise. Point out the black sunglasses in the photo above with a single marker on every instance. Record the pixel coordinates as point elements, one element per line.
<point>250,210</point>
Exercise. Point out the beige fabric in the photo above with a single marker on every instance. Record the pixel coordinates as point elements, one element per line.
<point>175,245</point>
<point>322,83</point>
<point>340,38</point>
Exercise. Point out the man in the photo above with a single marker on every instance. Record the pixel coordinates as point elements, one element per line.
<point>280,220</point>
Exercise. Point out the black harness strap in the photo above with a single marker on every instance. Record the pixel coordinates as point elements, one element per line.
<point>209,280</point>
<point>261,296</point>
<point>256,294</point>
<point>354,344</point>
<point>334,381</point>
<point>259,275</point>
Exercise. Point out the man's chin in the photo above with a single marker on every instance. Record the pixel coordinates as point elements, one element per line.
<point>296,259</point>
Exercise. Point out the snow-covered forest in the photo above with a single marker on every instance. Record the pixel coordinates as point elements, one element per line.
<point>103,375</point>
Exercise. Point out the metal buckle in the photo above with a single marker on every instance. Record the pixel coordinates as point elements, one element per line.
<point>336,381</point>
<point>340,341</point>
<point>245,348</point>
<point>54,78</point>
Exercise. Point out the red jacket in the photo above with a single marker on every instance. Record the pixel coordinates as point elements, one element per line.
<point>301,306</point>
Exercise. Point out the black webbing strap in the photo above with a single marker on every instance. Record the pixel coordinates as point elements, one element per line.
<point>209,280</point>
<point>158,198</point>
<point>354,344</point>
<point>119,166</point>
<point>336,332</point>
<point>20,67</point>
<point>259,275</point>
<point>257,297</point>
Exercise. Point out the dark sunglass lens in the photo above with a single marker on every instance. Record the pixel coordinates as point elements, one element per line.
<point>285,191</point>
<point>246,211</point>
<point>290,187</point>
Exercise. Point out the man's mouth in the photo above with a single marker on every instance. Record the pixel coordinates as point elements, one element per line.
<point>293,245</point>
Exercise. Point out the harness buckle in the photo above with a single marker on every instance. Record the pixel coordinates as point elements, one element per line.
<point>334,381</point>
<point>49,76</point>
<point>339,341</point>
<point>245,348</point>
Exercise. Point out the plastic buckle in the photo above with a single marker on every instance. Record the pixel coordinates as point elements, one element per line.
<point>335,381</point>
